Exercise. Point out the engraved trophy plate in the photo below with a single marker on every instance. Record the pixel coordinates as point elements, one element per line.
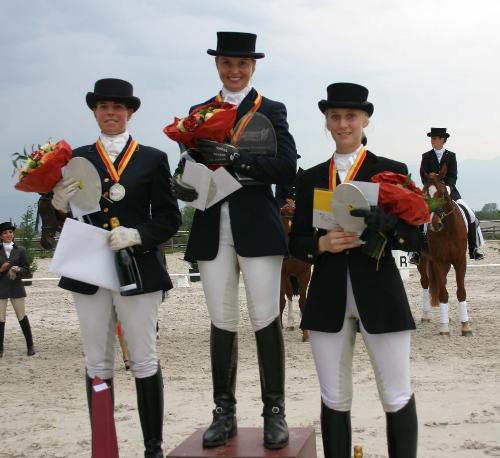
<point>116,192</point>
<point>347,197</point>
<point>83,171</point>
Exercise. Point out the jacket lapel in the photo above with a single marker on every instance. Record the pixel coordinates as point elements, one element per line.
<point>246,104</point>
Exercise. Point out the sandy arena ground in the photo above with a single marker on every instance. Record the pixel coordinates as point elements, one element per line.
<point>43,409</point>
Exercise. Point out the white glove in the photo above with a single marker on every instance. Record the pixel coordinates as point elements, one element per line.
<point>123,237</point>
<point>12,273</point>
<point>63,191</point>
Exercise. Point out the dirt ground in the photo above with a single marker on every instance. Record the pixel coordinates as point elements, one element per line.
<point>43,409</point>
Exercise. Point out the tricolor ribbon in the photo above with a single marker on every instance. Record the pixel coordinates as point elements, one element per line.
<point>110,167</point>
<point>353,170</point>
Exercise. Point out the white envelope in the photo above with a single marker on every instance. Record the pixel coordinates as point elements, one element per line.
<point>83,253</point>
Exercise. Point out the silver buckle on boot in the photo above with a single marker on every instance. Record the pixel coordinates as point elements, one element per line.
<point>275,410</point>
<point>219,409</point>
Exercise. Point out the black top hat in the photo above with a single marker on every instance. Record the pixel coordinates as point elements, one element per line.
<point>236,44</point>
<point>346,95</point>
<point>7,226</point>
<point>438,132</point>
<point>115,90</point>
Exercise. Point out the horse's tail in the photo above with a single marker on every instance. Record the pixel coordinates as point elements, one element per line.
<point>433,284</point>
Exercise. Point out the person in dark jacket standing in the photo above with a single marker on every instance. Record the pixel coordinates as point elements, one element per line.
<point>244,233</point>
<point>348,289</point>
<point>135,182</point>
<point>13,267</point>
<point>432,161</point>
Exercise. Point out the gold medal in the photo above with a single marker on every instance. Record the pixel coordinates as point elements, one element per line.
<point>116,192</point>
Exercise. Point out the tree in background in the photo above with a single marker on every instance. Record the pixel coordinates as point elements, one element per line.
<point>488,212</point>
<point>26,234</point>
<point>187,218</point>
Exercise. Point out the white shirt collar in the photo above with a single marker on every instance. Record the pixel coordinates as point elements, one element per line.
<point>114,144</point>
<point>439,153</point>
<point>6,244</point>
<point>235,97</point>
<point>343,162</point>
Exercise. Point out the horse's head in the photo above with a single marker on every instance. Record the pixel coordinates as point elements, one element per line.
<point>287,211</point>
<point>51,223</point>
<point>438,197</point>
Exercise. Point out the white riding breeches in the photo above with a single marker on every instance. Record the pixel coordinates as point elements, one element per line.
<point>17,303</point>
<point>138,316</point>
<point>473,219</point>
<point>389,354</point>
<point>220,279</point>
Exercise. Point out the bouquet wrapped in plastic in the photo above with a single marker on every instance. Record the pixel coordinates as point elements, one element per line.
<point>213,121</point>
<point>41,170</point>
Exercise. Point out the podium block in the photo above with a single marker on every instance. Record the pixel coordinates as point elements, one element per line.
<point>248,443</point>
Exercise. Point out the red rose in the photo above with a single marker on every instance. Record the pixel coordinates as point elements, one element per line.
<point>190,123</point>
<point>36,155</point>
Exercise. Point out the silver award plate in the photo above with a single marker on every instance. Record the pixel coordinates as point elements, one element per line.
<point>83,171</point>
<point>347,197</point>
<point>116,192</point>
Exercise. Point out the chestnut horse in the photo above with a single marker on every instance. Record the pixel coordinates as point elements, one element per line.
<point>295,274</point>
<point>447,246</point>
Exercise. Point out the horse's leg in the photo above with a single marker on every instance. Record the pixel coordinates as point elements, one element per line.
<point>444,319</point>
<point>291,318</point>
<point>304,278</point>
<point>282,293</point>
<point>424,282</point>
<point>463,316</point>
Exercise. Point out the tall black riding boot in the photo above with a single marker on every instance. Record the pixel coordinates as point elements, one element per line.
<point>474,252</point>
<point>25,326</point>
<point>336,432</point>
<point>271,354</point>
<point>224,358</point>
<point>402,431</point>
<point>2,333</point>
<point>150,406</point>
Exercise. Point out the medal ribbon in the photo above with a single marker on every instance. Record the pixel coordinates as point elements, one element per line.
<point>353,170</point>
<point>110,167</point>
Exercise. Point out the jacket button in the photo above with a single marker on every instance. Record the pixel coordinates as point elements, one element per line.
<point>401,240</point>
<point>106,180</point>
<point>105,225</point>
<point>346,251</point>
<point>105,210</point>
<point>105,194</point>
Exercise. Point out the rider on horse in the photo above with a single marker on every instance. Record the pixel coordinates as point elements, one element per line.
<point>432,161</point>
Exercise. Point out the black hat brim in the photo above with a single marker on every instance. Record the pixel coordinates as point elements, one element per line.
<point>9,227</point>
<point>251,55</point>
<point>431,134</point>
<point>365,106</point>
<point>130,102</point>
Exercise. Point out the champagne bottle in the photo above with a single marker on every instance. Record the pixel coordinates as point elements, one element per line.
<point>358,451</point>
<point>126,268</point>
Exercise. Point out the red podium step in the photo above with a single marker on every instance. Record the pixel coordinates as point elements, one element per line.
<point>248,444</point>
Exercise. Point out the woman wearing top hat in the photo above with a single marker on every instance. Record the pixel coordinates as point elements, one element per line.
<point>244,232</point>
<point>13,266</point>
<point>135,182</point>
<point>347,288</point>
<point>432,161</point>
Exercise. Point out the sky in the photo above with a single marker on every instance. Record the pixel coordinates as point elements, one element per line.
<point>431,63</point>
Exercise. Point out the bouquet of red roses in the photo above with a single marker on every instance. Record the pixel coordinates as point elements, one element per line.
<point>41,170</point>
<point>213,121</point>
<point>398,195</point>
